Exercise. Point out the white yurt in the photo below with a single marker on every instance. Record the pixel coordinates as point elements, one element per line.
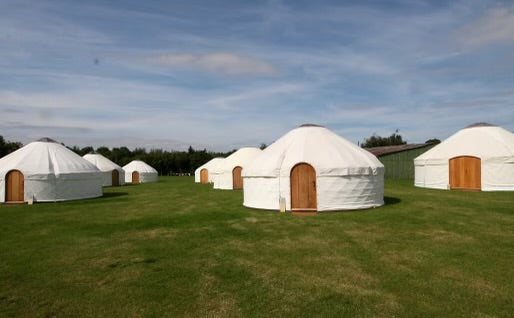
<point>138,171</point>
<point>228,176</point>
<point>205,173</point>
<point>313,169</point>
<point>478,157</point>
<point>113,174</point>
<point>46,171</point>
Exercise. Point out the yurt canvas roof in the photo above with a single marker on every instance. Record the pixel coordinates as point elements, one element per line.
<point>211,164</point>
<point>483,141</point>
<point>44,158</point>
<point>101,162</point>
<point>329,153</point>
<point>139,166</point>
<point>241,157</point>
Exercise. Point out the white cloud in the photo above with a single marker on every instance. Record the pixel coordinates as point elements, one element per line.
<point>255,95</point>
<point>227,63</point>
<point>494,27</point>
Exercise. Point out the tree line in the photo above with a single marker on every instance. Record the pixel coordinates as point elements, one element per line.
<point>6,147</point>
<point>165,162</point>
<point>182,162</point>
<point>392,140</point>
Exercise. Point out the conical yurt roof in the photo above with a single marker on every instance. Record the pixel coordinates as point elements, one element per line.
<point>242,156</point>
<point>213,164</point>
<point>45,157</point>
<point>327,152</point>
<point>483,141</point>
<point>101,162</point>
<point>139,166</point>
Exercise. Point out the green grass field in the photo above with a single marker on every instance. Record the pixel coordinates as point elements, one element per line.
<point>176,248</point>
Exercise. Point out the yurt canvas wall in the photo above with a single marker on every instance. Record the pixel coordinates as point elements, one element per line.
<point>312,168</point>
<point>113,174</point>
<point>138,171</point>
<point>479,157</point>
<point>228,175</point>
<point>45,171</point>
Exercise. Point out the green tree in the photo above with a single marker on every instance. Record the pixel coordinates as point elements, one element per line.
<point>433,141</point>
<point>378,141</point>
<point>6,147</point>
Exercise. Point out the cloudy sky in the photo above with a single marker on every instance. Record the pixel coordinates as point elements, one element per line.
<point>225,74</point>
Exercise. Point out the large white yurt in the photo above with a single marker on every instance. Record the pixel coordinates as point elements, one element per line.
<point>138,171</point>
<point>313,169</point>
<point>478,157</point>
<point>205,173</point>
<point>113,174</point>
<point>46,171</point>
<point>228,176</point>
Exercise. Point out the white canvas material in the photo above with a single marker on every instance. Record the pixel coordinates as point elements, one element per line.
<point>146,172</point>
<point>493,145</point>
<point>51,172</point>
<point>106,166</point>
<point>212,167</point>
<point>242,157</point>
<point>348,177</point>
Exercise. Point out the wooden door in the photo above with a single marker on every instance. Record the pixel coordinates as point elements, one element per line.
<point>135,177</point>
<point>204,176</point>
<point>115,178</point>
<point>237,179</point>
<point>465,173</point>
<point>303,188</point>
<point>14,186</point>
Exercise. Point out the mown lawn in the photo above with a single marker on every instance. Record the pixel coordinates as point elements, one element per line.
<point>176,248</point>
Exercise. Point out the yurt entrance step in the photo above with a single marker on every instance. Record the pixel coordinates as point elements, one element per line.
<point>304,212</point>
<point>14,202</point>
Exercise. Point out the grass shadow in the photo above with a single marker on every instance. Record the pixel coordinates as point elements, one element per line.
<point>114,194</point>
<point>391,200</point>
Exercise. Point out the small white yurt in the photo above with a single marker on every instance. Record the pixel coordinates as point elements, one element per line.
<point>113,174</point>
<point>46,171</point>
<point>228,176</point>
<point>205,173</point>
<point>138,171</point>
<point>313,169</point>
<point>478,157</point>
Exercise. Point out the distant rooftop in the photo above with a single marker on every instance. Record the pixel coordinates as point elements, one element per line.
<point>385,150</point>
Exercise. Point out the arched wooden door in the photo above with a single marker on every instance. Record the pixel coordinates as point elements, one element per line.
<point>14,186</point>
<point>204,176</point>
<point>237,179</point>
<point>303,188</point>
<point>115,178</point>
<point>465,173</point>
<point>135,177</point>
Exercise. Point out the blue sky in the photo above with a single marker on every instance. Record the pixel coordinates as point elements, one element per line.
<point>225,74</point>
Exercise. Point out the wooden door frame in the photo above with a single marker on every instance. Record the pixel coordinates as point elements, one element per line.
<point>117,177</point>
<point>138,176</point>
<point>315,189</point>
<point>241,175</point>
<point>7,186</point>
<point>450,173</point>
<point>207,171</point>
